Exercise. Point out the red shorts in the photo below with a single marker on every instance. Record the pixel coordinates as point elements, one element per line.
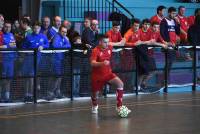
<point>98,83</point>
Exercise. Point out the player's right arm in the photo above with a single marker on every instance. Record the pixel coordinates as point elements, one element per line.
<point>93,59</point>
<point>94,63</point>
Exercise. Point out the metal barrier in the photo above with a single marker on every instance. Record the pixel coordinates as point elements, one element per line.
<point>70,68</point>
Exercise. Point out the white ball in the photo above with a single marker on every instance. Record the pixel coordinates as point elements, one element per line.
<point>123,111</point>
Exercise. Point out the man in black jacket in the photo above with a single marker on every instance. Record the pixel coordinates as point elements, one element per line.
<point>169,27</point>
<point>169,30</point>
<point>89,34</point>
<point>193,32</point>
<point>194,36</point>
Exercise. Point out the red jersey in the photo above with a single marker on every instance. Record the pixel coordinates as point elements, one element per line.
<point>1,43</point>
<point>183,22</point>
<point>114,37</point>
<point>100,55</point>
<point>191,20</point>
<point>184,26</point>
<point>131,37</point>
<point>1,38</point>
<point>156,18</point>
<point>145,35</point>
<point>156,36</point>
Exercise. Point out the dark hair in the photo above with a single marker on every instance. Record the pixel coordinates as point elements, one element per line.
<point>136,20</point>
<point>88,18</point>
<point>60,28</point>
<point>160,8</point>
<point>196,11</point>
<point>154,23</point>
<point>101,37</point>
<point>54,18</point>
<point>76,38</point>
<point>171,9</point>
<point>8,22</point>
<point>115,23</point>
<point>197,20</point>
<point>46,17</point>
<point>145,21</point>
<point>26,21</point>
<point>36,23</point>
<point>179,8</point>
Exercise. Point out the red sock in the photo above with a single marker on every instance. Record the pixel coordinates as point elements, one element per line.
<point>119,95</point>
<point>94,99</point>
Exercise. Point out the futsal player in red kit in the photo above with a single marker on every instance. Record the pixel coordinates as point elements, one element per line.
<point>102,73</point>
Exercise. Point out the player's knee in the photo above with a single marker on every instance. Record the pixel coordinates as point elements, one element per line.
<point>120,84</point>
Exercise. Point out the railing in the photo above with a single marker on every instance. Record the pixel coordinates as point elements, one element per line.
<point>76,70</point>
<point>77,10</point>
<point>115,2</point>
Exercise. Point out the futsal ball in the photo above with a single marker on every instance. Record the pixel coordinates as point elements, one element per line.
<point>123,111</point>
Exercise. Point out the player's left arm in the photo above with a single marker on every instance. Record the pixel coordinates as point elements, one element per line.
<point>121,43</point>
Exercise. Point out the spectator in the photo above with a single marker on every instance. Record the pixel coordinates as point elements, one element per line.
<point>8,60</point>
<point>1,44</point>
<point>34,40</point>
<point>115,36</point>
<point>46,26</point>
<point>54,29</point>
<point>59,41</point>
<point>146,64</point>
<point>71,33</point>
<point>16,27</point>
<point>87,22</point>
<point>1,17</point>
<point>140,38</point>
<point>193,32</point>
<point>159,16</point>
<point>1,33</point>
<point>89,35</point>
<point>191,19</point>
<point>25,30</point>
<point>183,24</point>
<point>169,30</point>
<point>77,40</point>
<point>56,23</point>
<point>194,36</point>
<point>132,36</point>
<point>183,31</point>
<point>155,35</point>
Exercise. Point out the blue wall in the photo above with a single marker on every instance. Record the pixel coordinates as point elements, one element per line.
<point>147,8</point>
<point>140,8</point>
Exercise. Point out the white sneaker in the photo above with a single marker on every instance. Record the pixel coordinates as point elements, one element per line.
<point>95,109</point>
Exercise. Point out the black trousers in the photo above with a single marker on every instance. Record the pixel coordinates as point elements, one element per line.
<point>146,63</point>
